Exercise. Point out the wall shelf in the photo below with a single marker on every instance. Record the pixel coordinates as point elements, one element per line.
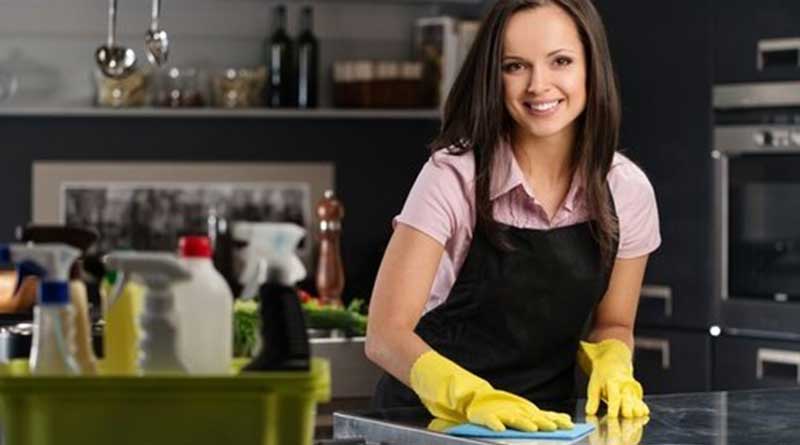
<point>221,113</point>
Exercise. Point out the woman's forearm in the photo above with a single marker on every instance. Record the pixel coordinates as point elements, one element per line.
<point>395,350</point>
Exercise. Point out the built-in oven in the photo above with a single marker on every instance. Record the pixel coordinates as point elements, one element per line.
<point>756,200</point>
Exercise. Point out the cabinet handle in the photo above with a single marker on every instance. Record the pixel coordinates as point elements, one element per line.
<point>660,292</point>
<point>654,344</point>
<point>777,356</point>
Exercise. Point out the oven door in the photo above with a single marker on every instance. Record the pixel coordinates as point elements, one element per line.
<point>757,245</point>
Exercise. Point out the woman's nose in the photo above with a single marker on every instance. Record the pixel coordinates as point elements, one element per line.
<point>539,81</point>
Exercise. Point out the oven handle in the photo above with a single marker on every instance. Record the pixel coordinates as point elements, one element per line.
<point>660,292</point>
<point>654,344</point>
<point>777,356</point>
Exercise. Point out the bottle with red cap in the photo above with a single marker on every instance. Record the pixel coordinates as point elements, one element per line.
<point>205,311</point>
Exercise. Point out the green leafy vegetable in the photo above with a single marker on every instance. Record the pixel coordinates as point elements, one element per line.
<point>348,319</point>
<point>245,328</point>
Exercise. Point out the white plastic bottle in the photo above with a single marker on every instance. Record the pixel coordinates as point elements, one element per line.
<point>53,344</point>
<point>205,311</point>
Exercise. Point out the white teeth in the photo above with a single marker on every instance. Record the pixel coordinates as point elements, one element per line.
<point>544,106</point>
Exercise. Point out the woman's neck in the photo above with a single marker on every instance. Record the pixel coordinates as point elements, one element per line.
<point>545,162</point>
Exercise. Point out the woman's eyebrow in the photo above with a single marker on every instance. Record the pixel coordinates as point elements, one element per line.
<point>566,50</point>
<point>550,54</point>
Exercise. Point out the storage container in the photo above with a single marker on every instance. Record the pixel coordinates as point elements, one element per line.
<point>266,408</point>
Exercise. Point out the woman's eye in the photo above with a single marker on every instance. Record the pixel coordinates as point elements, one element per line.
<point>563,61</point>
<point>512,67</point>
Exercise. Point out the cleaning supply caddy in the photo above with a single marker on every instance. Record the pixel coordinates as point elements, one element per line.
<point>165,406</point>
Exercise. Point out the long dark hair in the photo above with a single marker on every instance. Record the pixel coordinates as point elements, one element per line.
<point>475,118</point>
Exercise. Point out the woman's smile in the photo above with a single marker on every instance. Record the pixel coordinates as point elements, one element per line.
<point>542,108</point>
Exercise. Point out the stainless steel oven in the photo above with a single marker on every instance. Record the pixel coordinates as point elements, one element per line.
<point>756,199</point>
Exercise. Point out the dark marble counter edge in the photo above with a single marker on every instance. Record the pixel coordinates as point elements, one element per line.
<point>757,416</point>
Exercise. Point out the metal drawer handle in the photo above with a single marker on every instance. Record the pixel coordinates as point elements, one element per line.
<point>660,292</point>
<point>654,344</point>
<point>777,356</point>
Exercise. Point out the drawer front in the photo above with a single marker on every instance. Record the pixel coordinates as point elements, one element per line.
<point>667,306</point>
<point>747,363</point>
<point>670,361</point>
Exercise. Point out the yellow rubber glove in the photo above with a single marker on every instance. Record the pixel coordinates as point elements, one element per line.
<point>617,431</point>
<point>452,393</point>
<point>610,369</point>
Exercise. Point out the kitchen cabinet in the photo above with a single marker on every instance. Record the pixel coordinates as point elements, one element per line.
<point>672,360</point>
<point>749,362</point>
<point>663,305</point>
<point>665,81</point>
<point>735,48</point>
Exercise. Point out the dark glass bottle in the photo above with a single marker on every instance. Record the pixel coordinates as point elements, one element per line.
<point>307,61</point>
<point>279,62</point>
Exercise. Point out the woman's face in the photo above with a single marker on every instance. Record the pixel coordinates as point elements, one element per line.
<point>544,72</point>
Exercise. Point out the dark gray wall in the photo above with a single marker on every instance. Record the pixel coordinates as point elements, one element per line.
<point>376,162</point>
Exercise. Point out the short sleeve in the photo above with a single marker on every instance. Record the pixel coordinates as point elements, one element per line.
<point>637,210</point>
<point>437,204</point>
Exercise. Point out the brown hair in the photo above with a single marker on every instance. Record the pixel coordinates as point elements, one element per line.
<point>475,118</point>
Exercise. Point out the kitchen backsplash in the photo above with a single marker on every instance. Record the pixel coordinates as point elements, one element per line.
<point>49,45</point>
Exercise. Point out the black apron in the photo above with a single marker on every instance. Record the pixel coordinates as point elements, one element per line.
<point>515,318</point>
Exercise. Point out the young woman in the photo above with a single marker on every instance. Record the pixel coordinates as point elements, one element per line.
<point>523,224</point>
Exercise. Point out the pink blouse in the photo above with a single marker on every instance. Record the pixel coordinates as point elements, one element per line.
<point>441,204</point>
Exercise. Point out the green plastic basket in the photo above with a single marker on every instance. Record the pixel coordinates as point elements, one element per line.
<point>269,408</point>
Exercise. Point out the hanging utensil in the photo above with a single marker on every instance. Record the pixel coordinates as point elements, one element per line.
<point>156,41</point>
<point>114,61</point>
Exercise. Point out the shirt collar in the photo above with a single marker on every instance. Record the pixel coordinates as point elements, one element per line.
<point>507,175</point>
<point>575,189</point>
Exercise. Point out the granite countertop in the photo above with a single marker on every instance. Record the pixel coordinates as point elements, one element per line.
<point>770,416</point>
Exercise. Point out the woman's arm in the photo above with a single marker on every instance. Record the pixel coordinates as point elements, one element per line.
<point>401,289</point>
<point>616,313</point>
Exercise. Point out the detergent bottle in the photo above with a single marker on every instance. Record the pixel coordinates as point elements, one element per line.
<point>158,272</point>
<point>121,333</point>
<point>205,311</point>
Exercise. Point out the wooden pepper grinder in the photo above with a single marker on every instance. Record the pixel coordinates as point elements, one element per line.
<point>330,273</point>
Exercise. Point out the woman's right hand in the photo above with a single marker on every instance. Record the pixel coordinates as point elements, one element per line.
<point>452,393</point>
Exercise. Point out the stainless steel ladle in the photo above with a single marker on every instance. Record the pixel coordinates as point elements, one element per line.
<point>114,61</point>
<point>156,41</point>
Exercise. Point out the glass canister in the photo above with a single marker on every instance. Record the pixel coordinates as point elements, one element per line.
<point>182,87</point>
<point>239,88</point>
<point>130,91</point>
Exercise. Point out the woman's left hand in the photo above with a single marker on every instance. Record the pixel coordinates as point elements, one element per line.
<point>610,369</point>
<point>617,431</point>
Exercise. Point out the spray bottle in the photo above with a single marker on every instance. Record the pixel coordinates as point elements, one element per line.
<point>81,238</point>
<point>272,269</point>
<point>159,336</point>
<point>53,347</point>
